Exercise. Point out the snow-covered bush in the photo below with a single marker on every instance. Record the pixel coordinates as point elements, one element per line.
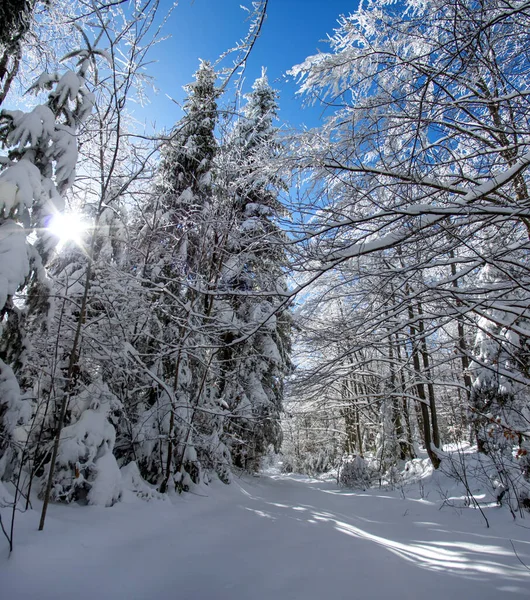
<point>86,469</point>
<point>355,472</point>
<point>13,414</point>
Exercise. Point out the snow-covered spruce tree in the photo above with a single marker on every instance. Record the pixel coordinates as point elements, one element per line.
<point>15,16</point>
<point>93,300</point>
<point>39,168</point>
<point>500,404</point>
<point>85,469</point>
<point>178,428</point>
<point>254,358</point>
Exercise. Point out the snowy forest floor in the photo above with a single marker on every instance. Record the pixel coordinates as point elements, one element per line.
<point>276,536</point>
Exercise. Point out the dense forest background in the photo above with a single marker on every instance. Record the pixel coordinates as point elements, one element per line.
<point>358,291</point>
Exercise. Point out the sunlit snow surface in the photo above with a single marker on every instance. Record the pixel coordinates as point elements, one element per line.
<point>274,537</point>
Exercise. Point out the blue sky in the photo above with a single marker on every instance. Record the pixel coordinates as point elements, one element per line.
<point>204,29</point>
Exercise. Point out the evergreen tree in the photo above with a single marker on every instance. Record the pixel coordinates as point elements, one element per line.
<point>93,411</point>
<point>39,169</point>
<point>500,408</point>
<point>16,17</point>
<point>255,342</point>
<point>177,421</point>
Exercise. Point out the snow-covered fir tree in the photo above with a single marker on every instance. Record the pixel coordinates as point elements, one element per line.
<point>178,423</point>
<point>254,358</point>
<point>16,17</point>
<point>93,409</point>
<point>94,301</point>
<point>38,170</point>
<point>500,406</point>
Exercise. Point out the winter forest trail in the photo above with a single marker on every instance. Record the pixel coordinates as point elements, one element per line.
<point>274,537</point>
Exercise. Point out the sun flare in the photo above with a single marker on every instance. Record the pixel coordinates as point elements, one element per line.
<point>68,227</point>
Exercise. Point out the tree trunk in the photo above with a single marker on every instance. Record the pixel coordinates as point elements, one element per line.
<point>428,374</point>
<point>420,388</point>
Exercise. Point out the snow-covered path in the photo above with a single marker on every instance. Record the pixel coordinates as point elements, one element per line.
<point>278,538</point>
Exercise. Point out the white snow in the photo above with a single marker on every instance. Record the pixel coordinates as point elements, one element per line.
<point>281,537</point>
<point>68,87</point>
<point>14,261</point>
<point>83,439</point>
<point>14,414</point>
<point>31,127</point>
<point>105,490</point>
<point>8,194</point>
<point>64,152</point>
<point>26,178</point>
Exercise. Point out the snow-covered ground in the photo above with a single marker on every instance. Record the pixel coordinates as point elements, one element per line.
<point>274,537</point>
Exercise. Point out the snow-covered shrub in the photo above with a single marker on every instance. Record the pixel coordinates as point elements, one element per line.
<point>86,469</point>
<point>133,483</point>
<point>13,413</point>
<point>491,476</point>
<point>355,472</point>
<point>416,469</point>
<point>313,462</point>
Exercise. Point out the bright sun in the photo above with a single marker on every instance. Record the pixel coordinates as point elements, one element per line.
<point>68,227</point>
